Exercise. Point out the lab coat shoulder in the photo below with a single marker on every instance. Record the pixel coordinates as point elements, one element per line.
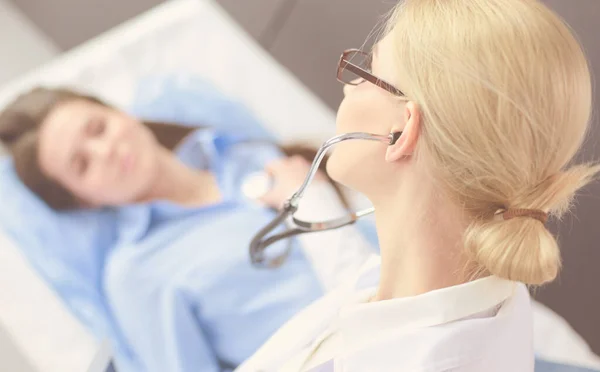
<point>495,340</point>
<point>493,344</point>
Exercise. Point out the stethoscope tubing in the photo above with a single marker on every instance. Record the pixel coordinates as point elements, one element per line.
<point>260,241</point>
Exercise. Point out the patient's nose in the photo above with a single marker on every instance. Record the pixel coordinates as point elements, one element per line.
<point>101,148</point>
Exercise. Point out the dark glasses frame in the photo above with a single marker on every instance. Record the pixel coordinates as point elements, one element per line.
<point>345,64</point>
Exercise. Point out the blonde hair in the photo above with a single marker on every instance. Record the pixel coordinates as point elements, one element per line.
<point>505,93</point>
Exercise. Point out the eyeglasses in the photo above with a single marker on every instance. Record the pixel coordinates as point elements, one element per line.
<point>354,68</point>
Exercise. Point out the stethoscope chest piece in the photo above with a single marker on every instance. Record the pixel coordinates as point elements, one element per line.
<point>256,185</point>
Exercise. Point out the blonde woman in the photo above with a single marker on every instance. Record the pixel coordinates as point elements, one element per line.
<point>493,99</point>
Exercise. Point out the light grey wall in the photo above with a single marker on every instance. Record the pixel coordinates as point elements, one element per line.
<point>22,46</point>
<point>71,22</point>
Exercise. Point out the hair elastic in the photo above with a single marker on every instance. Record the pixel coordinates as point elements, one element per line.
<point>507,214</point>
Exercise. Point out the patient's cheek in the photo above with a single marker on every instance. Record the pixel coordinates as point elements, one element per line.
<point>94,189</point>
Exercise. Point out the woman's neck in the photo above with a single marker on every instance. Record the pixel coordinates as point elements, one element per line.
<point>421,247</point>
<point>182,185</point>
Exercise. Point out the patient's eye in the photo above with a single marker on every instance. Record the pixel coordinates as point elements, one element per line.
<point>80,164</point>
<point>95,127</point>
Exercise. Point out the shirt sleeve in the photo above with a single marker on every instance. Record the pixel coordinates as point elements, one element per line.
<point>336,255</point>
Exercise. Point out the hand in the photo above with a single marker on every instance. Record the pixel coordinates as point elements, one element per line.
<point>288,175</point>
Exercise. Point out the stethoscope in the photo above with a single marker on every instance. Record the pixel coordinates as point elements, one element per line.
<point>260,242</point>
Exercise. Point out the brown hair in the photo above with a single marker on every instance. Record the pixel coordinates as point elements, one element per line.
<point>19,127</point>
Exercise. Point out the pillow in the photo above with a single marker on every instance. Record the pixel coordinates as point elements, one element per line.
<point>189,100</point>
<point>67,249</point>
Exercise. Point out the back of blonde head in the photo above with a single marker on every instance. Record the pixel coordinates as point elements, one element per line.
<point>505,93</point>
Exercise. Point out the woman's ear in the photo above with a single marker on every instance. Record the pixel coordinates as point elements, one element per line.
<point>406,144</point>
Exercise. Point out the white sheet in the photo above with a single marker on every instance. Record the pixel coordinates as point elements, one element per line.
<point>46,333</point>
<point>194,36</point>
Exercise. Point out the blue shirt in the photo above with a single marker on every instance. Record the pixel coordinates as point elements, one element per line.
<point>180,284</point>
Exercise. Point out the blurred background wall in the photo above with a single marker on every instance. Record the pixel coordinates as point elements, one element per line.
<point>22,45</point>
<point>307,37</point>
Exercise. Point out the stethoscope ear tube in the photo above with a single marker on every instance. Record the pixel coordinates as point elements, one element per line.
<point>260,241</point>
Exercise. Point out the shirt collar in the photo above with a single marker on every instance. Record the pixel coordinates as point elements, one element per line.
<point>360,320</point>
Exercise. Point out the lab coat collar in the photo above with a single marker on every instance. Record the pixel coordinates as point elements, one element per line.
<point>361,321</point>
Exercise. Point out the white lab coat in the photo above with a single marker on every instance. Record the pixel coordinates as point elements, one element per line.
<point>481,326</point>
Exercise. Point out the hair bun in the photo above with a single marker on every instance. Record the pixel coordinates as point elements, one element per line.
<point>519,249</point>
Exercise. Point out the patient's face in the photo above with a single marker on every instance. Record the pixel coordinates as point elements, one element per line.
<point>361,164</point>
<point>103,156</point>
